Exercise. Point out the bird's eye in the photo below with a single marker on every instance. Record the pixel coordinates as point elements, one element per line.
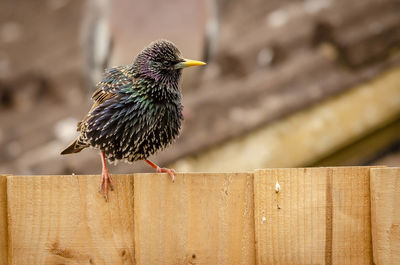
<point>166,63</point>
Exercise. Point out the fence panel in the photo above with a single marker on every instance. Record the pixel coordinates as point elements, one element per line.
<point>319,216</point>
<point>199,219</point>
<point>315,216</point>
<point>3,221</point>
<point>385,215</point>
<point>64,220</point>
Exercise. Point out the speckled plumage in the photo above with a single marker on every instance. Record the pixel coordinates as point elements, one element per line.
<point>137,109</point>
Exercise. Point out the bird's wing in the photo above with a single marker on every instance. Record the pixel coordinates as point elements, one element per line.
<point>115,78</point>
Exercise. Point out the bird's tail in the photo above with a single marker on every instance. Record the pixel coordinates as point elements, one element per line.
<point>75,147</point>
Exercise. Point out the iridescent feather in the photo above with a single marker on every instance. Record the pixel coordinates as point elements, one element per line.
<point>137,109</point>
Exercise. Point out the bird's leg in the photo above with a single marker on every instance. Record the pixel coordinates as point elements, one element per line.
<point>170,171</point>
<point>105,178</point>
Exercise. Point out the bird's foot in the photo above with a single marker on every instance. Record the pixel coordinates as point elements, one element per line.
<point>170,172</point>
<point>105,182</point>
<point>158,169</point>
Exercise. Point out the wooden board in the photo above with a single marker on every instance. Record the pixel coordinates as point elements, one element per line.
<point>199,219</point>
<point>385,215</point>
<point>3,221</point>
<point>64,220</point>
<point>364,150</point>
<point>319,130</point>
<point>319,216</point>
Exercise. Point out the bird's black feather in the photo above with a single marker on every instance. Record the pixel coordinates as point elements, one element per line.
<point>137,109</point>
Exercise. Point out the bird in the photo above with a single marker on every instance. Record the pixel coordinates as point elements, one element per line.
<point>136,110</point>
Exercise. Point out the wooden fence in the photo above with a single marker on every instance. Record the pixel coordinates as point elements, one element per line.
<point>344,215</point>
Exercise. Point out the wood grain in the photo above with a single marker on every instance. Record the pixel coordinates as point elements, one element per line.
<point>3,221</point>
<point>319,216</point>
<point>385,215</point>
<point>199,219</point>
<point>64,220</point>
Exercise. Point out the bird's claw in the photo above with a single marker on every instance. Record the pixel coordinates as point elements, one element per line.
<point>170,172</point>
<point>106,181</point>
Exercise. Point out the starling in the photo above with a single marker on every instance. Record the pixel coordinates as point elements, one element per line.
<point>137,109</point>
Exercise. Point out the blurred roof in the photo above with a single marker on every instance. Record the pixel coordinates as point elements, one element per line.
<point>274,58</point>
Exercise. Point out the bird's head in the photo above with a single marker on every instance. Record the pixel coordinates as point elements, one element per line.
<point>161,61</point>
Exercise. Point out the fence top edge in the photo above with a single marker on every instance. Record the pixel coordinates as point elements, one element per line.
<point>256,171</point>
<point>386,168</point>
<point>133,174</point>
<point>328,167</point>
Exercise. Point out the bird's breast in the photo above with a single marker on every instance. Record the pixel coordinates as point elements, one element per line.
<point>134,128</point>
<point>159,125</point>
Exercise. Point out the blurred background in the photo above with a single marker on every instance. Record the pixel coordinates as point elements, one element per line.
<point>289,83</point>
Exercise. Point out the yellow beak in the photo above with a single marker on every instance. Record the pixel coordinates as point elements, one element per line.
<point>187,63</point>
